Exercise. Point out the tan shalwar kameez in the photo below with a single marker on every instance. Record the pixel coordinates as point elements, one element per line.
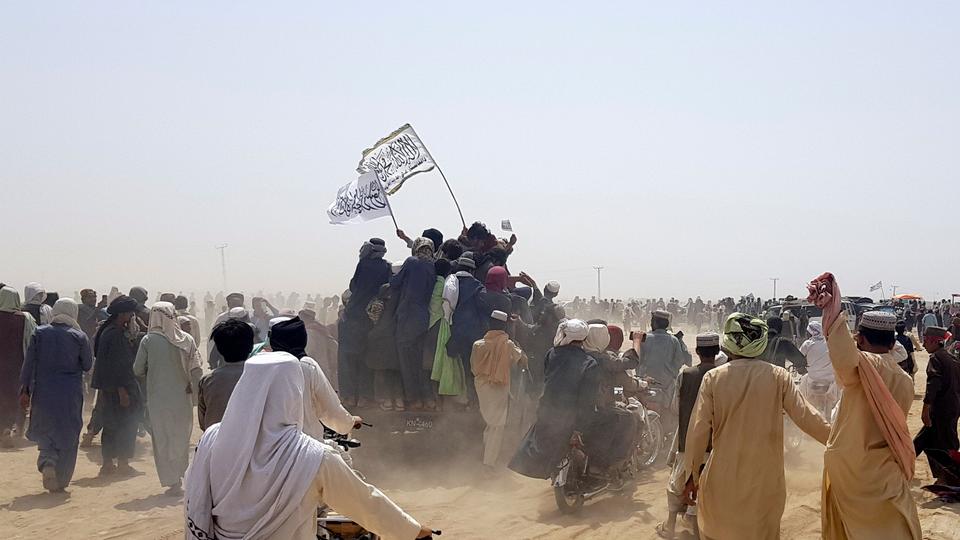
<point>865,494</point>
<point>742,491</point>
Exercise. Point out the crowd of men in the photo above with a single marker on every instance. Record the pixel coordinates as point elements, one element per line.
<point>451,328</point>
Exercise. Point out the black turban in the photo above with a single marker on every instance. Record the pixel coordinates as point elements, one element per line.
<point>122,304</point>
<point>434,235</point>
<point>289,336</point>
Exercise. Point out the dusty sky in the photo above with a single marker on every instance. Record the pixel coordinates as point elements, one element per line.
<point>688,148</point>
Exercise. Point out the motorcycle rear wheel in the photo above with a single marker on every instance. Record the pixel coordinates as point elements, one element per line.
<point>568,503</point>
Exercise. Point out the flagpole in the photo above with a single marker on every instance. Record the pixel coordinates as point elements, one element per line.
<point>389,208</point>
<point>437,165</point>
<point>454,197</point>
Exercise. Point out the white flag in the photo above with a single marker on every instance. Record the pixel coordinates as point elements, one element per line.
<point>360,200</point>
<point>396,157</point>
<point>877,286</point>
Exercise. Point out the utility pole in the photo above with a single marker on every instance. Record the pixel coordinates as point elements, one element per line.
<point>223,265</point>
<point>894,293</point>
<point>774,280</point>
<point>598,269</point>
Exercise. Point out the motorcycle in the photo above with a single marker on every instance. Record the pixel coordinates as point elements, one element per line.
<point>574,482</point>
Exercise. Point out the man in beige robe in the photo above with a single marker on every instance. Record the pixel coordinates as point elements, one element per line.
<point>740,409</point>
<point>865,493</point>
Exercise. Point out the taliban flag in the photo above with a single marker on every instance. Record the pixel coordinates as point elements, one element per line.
<point>360,200</point>
<point>876,286</point>
<point>396,157</point>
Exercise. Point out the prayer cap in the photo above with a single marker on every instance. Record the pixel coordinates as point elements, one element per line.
<point>660,314</point>
<point>879,320</point>
<point>276,320</point>
<point>466,262</point>
<point>238,313</point>
<point>499,315</point>
<point>235,295</point>
<point>552,287</point>
<point>935,332</point>
<point>122,304</point>
<point>708,339</point>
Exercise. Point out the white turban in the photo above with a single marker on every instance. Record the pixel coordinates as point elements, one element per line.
<point>65,311</point>
<point>598,338</point>
<point>570,330</point>
<point>34,293</point>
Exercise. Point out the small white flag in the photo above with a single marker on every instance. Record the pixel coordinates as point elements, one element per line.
<point>505,225</point>
<point>396,157</point>
<point>361,200</point>
<point>877,286</point>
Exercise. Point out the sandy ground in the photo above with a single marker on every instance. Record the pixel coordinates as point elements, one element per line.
<point>509,506</point>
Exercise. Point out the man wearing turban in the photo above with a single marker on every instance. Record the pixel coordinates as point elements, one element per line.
<point>740,410</point>
<point>119,397</point>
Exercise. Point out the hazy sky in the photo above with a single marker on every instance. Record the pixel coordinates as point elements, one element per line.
<point>688,148</point>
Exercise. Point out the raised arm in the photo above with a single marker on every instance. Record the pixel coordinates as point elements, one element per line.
<point>844,354</point>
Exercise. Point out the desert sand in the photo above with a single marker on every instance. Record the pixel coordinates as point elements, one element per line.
<point>463,505</point>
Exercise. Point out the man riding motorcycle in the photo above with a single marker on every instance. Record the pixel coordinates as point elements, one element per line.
<point>612,432</point>
<point>569,404</point>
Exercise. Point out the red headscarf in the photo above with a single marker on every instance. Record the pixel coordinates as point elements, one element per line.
<point>616,338</point>
<point>496,279</point>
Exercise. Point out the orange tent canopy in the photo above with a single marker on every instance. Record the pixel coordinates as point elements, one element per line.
<point>908,297</point>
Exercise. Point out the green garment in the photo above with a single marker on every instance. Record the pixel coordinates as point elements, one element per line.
<point>745,335</point>
<point>168,403</point>
<point>436,302</point>
<point>446,370</point>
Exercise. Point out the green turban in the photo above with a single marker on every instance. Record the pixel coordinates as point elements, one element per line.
<point>745,335</point>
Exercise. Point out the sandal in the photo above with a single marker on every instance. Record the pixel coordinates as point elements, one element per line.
<point>386,406</point>
<point>662,532</point>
